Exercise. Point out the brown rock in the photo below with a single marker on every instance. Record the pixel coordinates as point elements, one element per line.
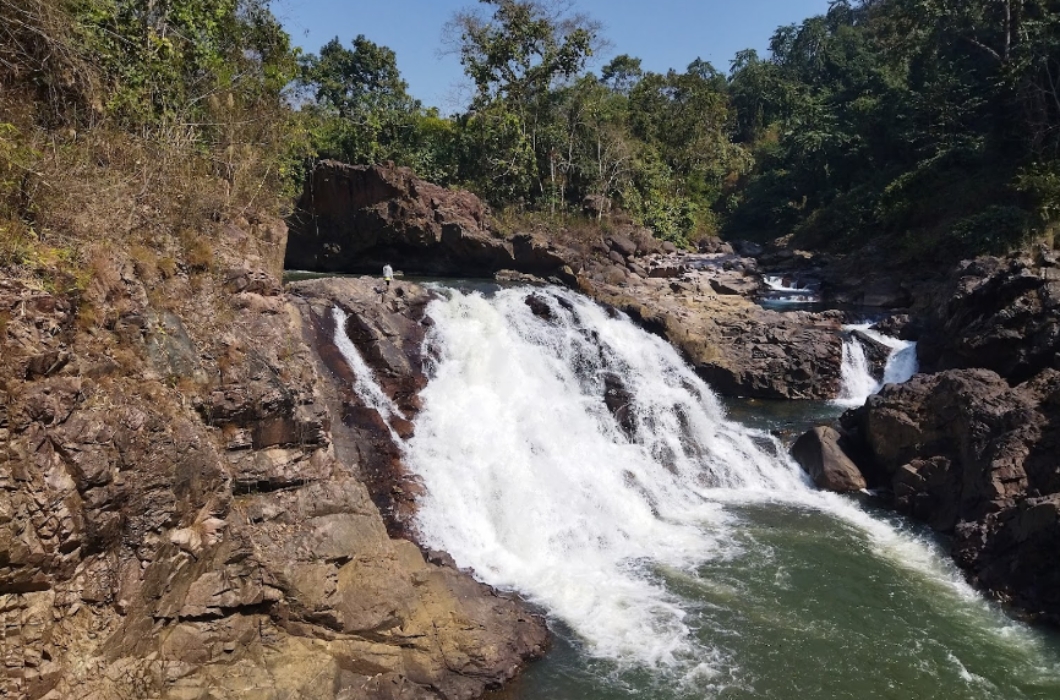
<point>1001,314</point>
<point>975,457</point>
<point>819,453</point>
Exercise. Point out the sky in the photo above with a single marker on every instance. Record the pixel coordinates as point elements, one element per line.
<point>664,34</point>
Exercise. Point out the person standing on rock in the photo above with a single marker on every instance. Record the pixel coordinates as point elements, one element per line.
<point>388,275</point>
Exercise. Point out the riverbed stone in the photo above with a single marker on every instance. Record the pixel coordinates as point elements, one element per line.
<point>819,453</point>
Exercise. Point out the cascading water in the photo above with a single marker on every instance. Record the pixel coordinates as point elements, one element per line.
<point>365,384</point>
<point>678,555</point>
<point>782,291</point>
<point>858,382</point>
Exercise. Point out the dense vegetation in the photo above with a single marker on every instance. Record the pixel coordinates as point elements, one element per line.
<point>141,126</point>
<point>932,123</point>
<point>926,126</point>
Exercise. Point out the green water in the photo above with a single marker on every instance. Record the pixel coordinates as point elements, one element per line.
<point>810,607</point>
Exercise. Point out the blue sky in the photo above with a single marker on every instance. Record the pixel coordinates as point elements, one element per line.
<point>664,34</point>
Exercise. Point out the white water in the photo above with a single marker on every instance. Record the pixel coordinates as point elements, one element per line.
<point>776,284</point>
<point>858,383</point>
<point>365,385</point>
<point>532,483</point>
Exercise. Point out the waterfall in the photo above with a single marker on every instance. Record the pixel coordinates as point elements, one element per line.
<point>858,382</point>
<point>365,384</point>
<point>784,291</point>
<point>537,486</point>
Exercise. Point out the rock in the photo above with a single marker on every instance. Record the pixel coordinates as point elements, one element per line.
<point>901,326</point>
<point>619,402</point>
<point>976,458</point>
<point>668,247</point>
<point>736,346</point>
<point>713,244</point>
<point>535,255</point>
<point>596,206</point>
<point>747,249</point>
<point>885,293</point>
<point>622,245</point>
<point>819,453</point>
<point>183,484</point>
<point>665,271</point>
<point>358,218</point>
<point>539,307</point>
<point>1001,314</point>
<point>736,284</point>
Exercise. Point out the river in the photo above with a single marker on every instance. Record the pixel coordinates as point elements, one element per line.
<point>677,552</point>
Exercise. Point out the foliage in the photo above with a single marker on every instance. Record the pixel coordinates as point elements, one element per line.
<point>122,122</point>
<point>916,119</point>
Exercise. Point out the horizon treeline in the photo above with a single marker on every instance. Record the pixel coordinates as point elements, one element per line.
<point>928,125</point>
<point>935,124</point>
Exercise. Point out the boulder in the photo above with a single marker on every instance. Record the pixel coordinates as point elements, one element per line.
<point>975,458</point>
<point>819,453</point>
<point>747,249</point>
<point>357,218</point>
<point>622,245</point>
<point>735,283</point>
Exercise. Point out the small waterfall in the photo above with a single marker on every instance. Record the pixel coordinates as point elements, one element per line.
<point>858,382</point>
<point>784,291</point>
<point>365,384</point>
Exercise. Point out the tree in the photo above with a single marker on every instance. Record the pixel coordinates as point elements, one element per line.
<point>622,73</point>
<point>353,82</point>
<point>516,57</point>
<point>360,108</point>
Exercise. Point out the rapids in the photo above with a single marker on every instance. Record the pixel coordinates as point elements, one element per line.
<point>678,554</point>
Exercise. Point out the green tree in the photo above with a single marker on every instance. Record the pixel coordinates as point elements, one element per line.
<point>516,57</point>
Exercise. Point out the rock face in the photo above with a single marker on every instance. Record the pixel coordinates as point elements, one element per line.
<point>739,348</point>
<point>357,218</point>
<point>1001,314</point>
<point>188,510</point>
<point>703,305</point>
<point>818,452</point>
<point>976,458</point>
<point>353,219</point>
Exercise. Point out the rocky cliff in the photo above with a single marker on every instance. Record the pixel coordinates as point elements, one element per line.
<point>356,218</point>
<point>189,509</point>
<point>974,449</point>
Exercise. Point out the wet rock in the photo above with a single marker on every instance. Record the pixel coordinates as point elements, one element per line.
<point>539,307</point>
<point>619,402</point>
<point>819,453</point>
<point>901,326</point>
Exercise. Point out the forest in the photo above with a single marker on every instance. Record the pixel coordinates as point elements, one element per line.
<point>933,123</point>
<point>930,127</point>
